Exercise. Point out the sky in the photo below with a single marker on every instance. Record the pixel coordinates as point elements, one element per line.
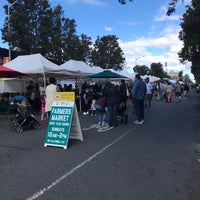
<point>145,33</point>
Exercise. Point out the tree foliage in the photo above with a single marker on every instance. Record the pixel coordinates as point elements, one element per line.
<point>107,53</point>
<point>186,78</point>
<point>141,69</point>
<point>180,75</point>
<point>190,35</point>
<point>157,70</point>
<point>171,5</point>
<point>26,24</point>
<point>37,28</point>
<point>84,49</point>
<point>123,2</point>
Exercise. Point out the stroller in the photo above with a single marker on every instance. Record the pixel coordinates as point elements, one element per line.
<point>24,118</point>
<point>122,113</point>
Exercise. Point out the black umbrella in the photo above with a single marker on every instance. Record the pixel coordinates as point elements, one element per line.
<point>106,74</point>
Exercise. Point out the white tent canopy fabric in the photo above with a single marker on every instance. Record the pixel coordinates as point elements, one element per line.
<point>79,68</point>
<point>151,78</point>
<point>33,64</point>
<point>126,73</point>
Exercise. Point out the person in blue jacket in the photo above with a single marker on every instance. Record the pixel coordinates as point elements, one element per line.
<point>138,95</point>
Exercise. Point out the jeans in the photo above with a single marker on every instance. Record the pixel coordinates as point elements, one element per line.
<point>112,114</point>
<point>139,109</point>
<point>101,113</point>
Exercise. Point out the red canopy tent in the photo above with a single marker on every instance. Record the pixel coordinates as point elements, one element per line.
<point>9,73</point>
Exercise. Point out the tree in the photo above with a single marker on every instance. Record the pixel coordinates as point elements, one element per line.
<point>171,5</point>
<point>55,50</point>
<point>187,79</point>
<point>180,75</point>
<point>27,25</point>
<point>37,28</point>
<point>141,69</point>
<point>70,41</point>
<point>63,38</point>
<point>107,54</point>
<point>190,35</point>
<point>85,48</point>
<point>124,1</point>
<point>157,70</point>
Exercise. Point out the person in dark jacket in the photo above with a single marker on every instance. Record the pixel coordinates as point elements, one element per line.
<point>138,95</point>
<point>123,92</point>
<point>111,94</point>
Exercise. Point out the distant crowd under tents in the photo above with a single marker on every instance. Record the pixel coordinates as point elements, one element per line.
<point>37,67</point>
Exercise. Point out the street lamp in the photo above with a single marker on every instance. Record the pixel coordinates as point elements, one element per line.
<point>9,6</point>
<point>136,59</point>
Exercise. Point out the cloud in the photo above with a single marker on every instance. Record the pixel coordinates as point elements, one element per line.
<point>161,16</point>
<point>129,23</point>
<point>184,3</point>
<point>162,48</point>
<point>108,29</point>
<point>94,2</point>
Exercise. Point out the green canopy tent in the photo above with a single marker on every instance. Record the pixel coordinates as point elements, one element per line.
<point>106,74</point>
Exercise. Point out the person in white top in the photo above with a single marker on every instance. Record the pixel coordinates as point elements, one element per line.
<point>149,93</point>
<point>50,89</point>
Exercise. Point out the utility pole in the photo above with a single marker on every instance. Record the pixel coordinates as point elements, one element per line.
<point>9,6</point>
<point>166,67</point>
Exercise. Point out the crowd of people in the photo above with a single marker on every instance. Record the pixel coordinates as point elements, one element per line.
<point>108,101</point>
<point>104,101</point>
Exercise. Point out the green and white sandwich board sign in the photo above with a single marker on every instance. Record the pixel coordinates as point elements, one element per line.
<point>63,115</point>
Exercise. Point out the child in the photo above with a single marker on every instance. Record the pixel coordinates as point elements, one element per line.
<point>100,108</point>
<point>93,109</point>
<point>44,116</point>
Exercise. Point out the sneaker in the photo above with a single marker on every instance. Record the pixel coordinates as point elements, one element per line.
<point>105,124</point>
<point>138,122</point>
<point>142,120</point>
<point>98,125</point>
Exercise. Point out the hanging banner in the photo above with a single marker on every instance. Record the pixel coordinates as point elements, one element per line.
<point>63,116</point>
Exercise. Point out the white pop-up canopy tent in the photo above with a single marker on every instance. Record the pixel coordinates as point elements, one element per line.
<point>127,73</point>
<point>35,65</point>
<point>151,78</point>
<point>79,68</point>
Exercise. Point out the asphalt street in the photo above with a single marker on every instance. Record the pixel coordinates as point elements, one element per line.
<point>159,160</point>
